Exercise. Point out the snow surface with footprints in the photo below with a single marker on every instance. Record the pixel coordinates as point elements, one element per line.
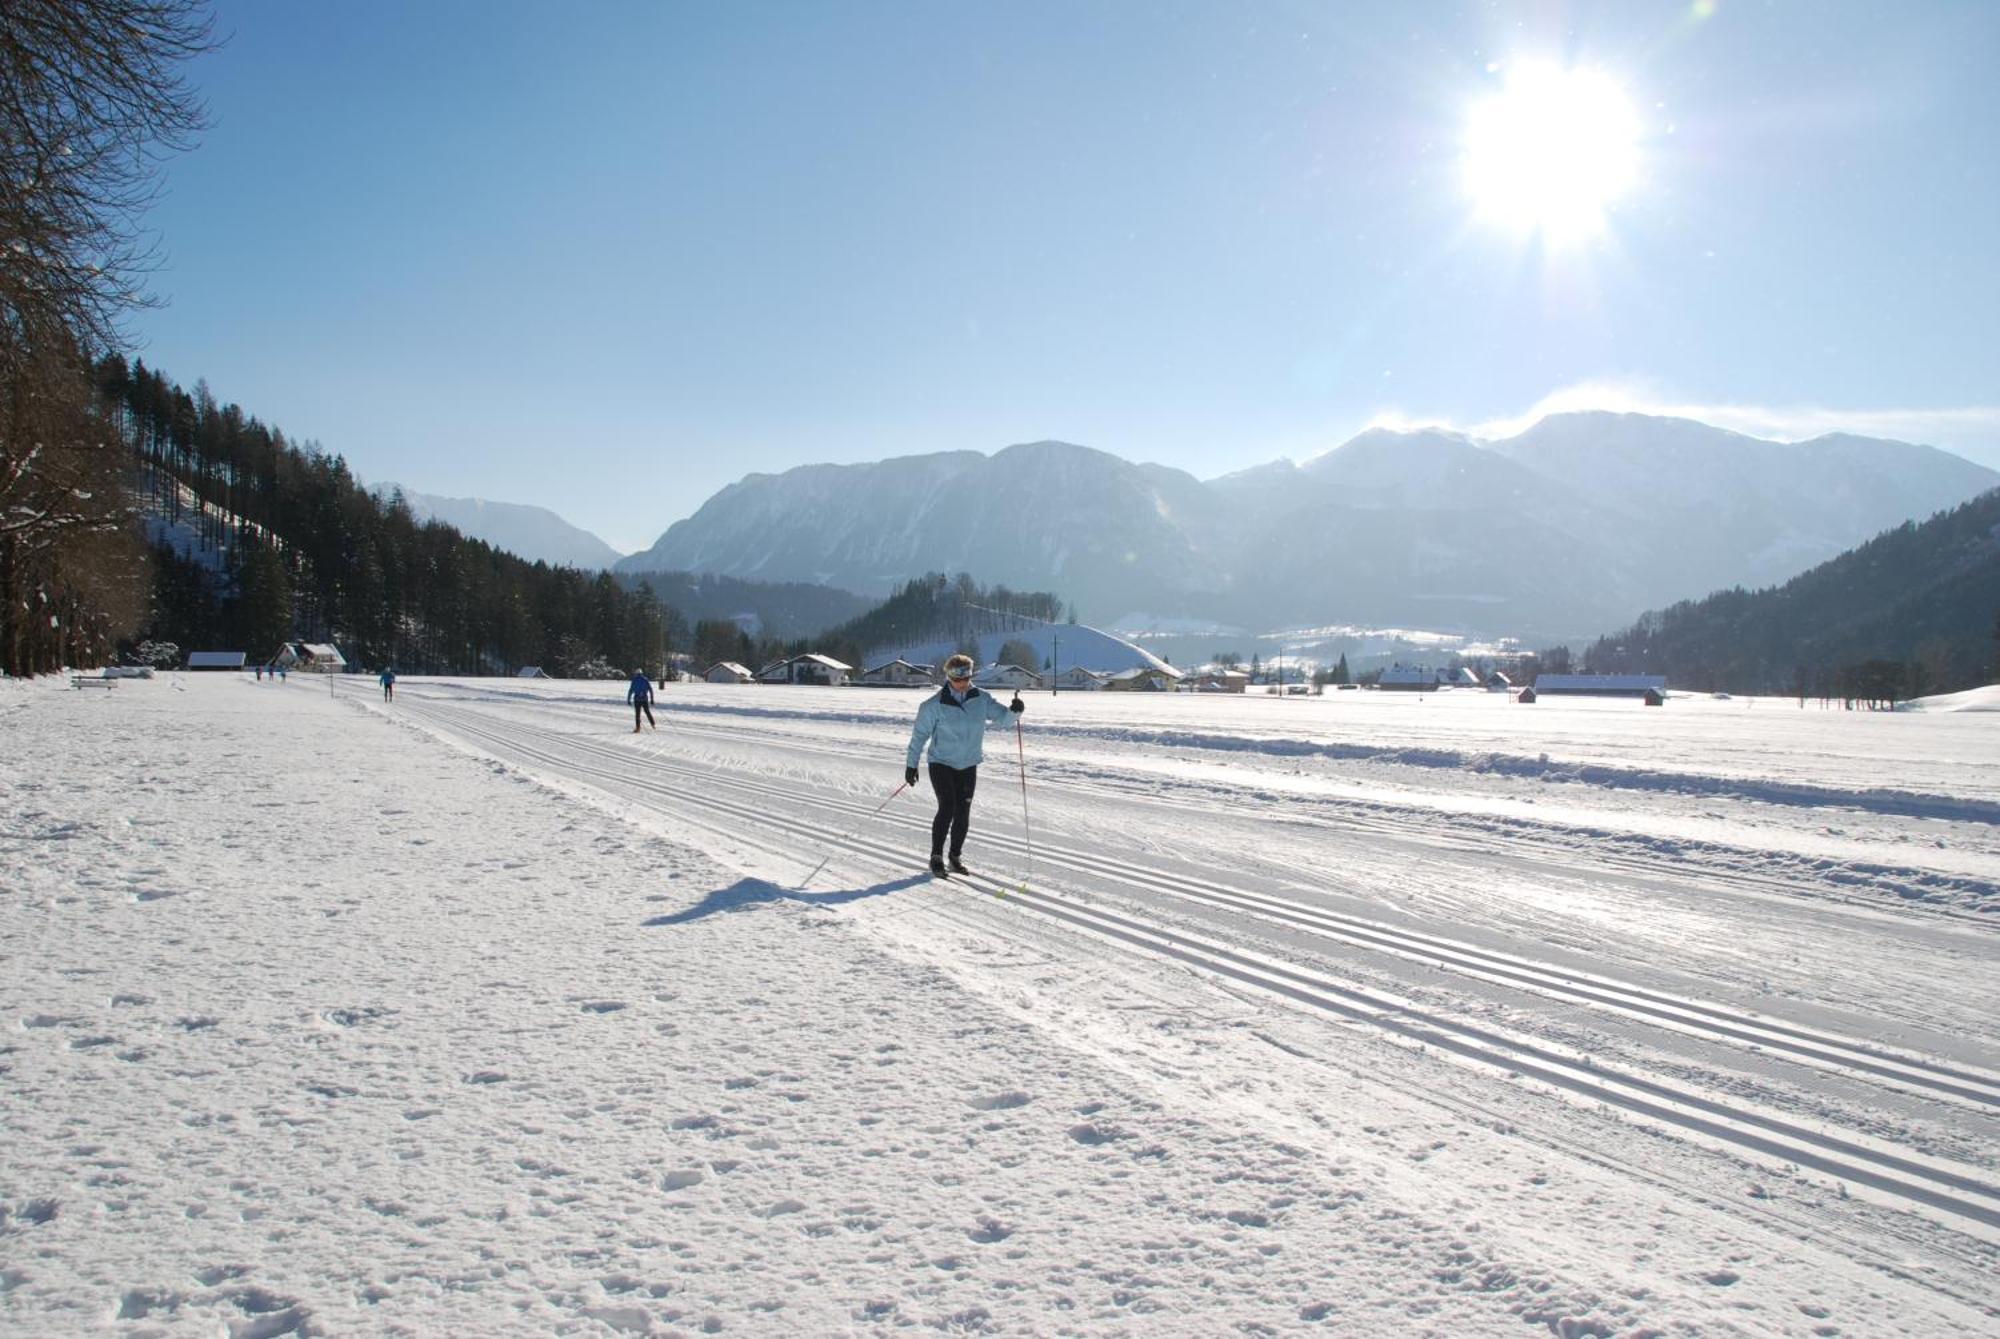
<point>475,1014</point>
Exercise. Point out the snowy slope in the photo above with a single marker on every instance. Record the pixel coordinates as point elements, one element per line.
<point>1058,646</point>
<point>1352,1015</point>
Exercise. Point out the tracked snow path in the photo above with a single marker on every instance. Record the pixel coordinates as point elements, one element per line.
<point>1800,1093</point>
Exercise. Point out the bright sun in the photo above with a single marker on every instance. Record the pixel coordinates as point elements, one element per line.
<point>1552,151</point>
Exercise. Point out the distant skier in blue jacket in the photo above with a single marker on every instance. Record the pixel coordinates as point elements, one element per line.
<point>640,695</point>
<point>387,678</point>
<point>954,725</point>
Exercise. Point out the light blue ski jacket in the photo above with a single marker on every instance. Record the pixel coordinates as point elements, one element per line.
<point>955,732</point>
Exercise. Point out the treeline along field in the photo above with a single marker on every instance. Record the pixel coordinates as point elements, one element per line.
<point>256,540</point>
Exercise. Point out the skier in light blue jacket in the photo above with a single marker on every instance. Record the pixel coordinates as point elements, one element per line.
<point>954,725</point>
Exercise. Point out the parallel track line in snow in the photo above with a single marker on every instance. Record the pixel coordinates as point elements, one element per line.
<point>1963,1195</point>
<point>1394,822</point>
<point>1694,1017</point>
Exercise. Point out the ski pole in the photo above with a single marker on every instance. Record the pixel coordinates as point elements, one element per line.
<point>841,840</point>
<point>1021,753</point>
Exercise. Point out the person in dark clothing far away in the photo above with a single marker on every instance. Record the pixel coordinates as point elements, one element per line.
<point>640,695</point>
<point>388,677</point>
<point>953,724</point>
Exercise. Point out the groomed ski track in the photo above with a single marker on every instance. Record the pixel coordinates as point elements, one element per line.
<point>1201,924</point>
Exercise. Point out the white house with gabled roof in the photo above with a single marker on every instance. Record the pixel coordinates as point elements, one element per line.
<point>812,668</point>
<point>1007,676</point>
<point>898,673</point>
<point>1081,680</point>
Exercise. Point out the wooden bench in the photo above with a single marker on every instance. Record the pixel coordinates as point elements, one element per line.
<point>91,681</point>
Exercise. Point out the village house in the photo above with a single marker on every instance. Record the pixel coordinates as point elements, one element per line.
<point>1081,680</point>
<point>1007,676</point>
<point>728,671</point>
<point>1144,679</point>
<point>1408,679</point>
<point>1602,685</point>
<point>897,673</point>
<point>1223,681</point>
<point>309,658</point>
<point>810,668</point>
<point>530,672</point>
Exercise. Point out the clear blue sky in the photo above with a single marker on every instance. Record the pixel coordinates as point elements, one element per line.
<point>608,257</point>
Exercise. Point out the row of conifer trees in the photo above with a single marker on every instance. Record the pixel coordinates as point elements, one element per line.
<point>256,540</point>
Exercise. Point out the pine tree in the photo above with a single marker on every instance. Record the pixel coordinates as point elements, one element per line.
<point>263,606</point>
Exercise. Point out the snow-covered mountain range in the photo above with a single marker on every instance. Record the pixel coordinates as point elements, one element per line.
<point>534,533</point>
<point>1573,526</point>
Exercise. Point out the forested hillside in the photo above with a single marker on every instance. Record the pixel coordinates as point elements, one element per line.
<point>935,607</point>
<point>930,608</point>
<point>256,540</point>
<point>777,609</point>
<point>1914,610</point>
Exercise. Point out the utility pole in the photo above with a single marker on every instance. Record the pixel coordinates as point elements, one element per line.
<point>1055,665</point>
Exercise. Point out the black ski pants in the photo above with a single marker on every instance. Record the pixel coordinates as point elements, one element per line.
<point>641,704</point>
<point>954,796</point>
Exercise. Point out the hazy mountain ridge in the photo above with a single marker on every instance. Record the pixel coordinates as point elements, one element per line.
<point>1044,515</point>
<point>1561,531</point>
<point>763,608</point>
<point>534,533</point>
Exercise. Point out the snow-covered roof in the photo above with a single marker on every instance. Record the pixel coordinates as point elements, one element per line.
<point>827,661</point>
<point>893,664</point>
<point>734,668</point>
<point>1144,671</point>
<point>324,653</point>
<point>530,672</point>
<point>1002,671</point>
<point>1600,683</point>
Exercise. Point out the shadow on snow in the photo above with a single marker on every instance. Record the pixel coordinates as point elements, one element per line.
<point>747,893</point>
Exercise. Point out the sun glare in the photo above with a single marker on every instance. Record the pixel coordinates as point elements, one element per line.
<point>1552,151</point>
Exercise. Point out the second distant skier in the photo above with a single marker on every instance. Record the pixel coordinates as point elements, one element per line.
<point>640,695</point>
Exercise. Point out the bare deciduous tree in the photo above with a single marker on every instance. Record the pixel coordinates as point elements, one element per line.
<point>91,97</point>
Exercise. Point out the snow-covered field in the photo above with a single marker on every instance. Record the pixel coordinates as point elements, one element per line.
<point>476,1014</point>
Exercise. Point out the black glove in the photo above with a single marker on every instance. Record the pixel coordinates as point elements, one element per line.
<point>1017,706</point>
<point>909,776</point>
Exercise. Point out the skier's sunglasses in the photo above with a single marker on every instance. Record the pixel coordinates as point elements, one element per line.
<point>958,675</point>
